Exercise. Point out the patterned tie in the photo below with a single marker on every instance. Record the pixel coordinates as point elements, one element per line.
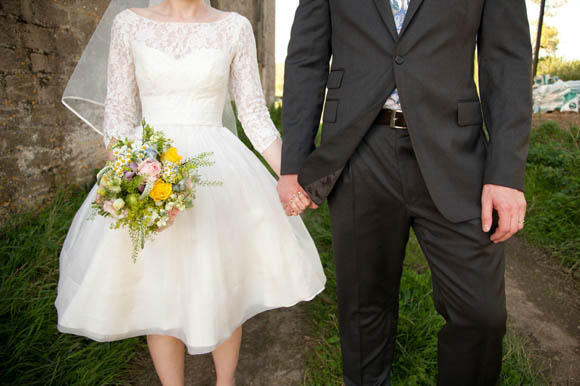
<point>399,8</point>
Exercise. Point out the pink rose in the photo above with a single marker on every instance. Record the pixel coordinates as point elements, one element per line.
<point>108,207</point>
<point>149,168</point>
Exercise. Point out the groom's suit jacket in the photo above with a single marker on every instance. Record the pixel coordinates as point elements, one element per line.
<point>431,63</point>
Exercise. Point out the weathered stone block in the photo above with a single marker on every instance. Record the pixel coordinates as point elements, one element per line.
<point>21,86</point>
<point>12,60</point>
<point>11,7</point>
<point>47,115</point>
<point>41,62</point>
<point>49,13</point>
<point>9,31</point>
<point>38,38</point>
<point>69,44</point>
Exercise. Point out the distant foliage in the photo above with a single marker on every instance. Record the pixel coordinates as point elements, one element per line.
<point>565,69</point>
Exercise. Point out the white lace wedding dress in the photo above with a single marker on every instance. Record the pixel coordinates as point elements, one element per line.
<point>234,254</point>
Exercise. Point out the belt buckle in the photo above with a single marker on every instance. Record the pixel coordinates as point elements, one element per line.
<point>393,121</point>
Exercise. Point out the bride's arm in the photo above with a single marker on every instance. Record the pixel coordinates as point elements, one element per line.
<point>273,155</point>
<point>122,105</point>
<point>247,91</point>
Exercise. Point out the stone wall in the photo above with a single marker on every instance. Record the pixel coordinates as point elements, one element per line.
<point>42,144</point>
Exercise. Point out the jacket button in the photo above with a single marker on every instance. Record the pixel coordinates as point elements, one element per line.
<point>399,60</point>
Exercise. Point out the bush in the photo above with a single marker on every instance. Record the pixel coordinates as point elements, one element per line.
<point>566,70</point>
<point>553,191</point>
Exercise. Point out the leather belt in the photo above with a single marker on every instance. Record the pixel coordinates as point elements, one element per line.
<point>392,118</point>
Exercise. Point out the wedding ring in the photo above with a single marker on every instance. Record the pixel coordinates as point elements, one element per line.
<point>522,222</point>
<point>300,193</point>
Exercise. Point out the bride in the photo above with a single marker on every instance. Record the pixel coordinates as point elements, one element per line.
<point>236,253</point>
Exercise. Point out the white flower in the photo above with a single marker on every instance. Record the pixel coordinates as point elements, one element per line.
<point>118,204</point>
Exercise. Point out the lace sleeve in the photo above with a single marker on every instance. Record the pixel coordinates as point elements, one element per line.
<point>122,105</point>
<point>247,91</point>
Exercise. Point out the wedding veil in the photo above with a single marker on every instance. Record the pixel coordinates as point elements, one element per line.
<point>85,92</point>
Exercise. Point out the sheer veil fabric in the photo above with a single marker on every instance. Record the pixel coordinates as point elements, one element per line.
<point>86,89</point>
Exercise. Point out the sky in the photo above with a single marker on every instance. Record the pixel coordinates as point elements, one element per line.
<point>566,20</point>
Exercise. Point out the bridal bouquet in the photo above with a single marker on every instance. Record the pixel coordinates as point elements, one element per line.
<point>146,185</point>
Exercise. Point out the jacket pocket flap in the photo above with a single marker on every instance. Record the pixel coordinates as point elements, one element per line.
<point>335,79</point>
<point>469,113</point>
<point>330,111</point>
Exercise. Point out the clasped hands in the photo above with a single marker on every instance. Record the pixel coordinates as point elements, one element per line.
<point>293,198</point>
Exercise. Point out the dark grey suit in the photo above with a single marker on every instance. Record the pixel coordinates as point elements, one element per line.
<point>380,181</point>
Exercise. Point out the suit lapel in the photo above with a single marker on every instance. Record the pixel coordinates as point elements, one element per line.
<point>413,7</point>
<point>383,6</point>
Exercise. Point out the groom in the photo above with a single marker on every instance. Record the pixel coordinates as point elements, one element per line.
<point>403,146</point>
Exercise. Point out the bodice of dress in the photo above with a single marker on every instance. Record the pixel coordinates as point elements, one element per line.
<point>173,73</point>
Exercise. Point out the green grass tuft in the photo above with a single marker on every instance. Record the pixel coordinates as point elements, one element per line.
<point>553,192</point>
<point>33,352</point>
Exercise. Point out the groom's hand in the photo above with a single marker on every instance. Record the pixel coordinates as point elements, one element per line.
<point>293,198</point>
<point>511,207</point>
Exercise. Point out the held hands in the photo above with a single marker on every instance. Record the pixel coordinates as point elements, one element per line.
<point>293,198</point>
<point>511,207</point>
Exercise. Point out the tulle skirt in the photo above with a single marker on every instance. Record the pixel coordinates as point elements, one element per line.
<point>232,256</point>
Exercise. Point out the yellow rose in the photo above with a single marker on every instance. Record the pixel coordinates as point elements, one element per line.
<point>171,155</point>
<point>161,191</point>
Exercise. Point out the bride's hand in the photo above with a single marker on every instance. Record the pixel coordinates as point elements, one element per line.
<point>292,196</point>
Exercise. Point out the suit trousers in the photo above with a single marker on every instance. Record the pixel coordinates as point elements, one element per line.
<point>380,195</point>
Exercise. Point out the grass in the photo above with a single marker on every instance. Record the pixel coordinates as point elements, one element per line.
<point>416,348</point>
<point>553,192</point>
<point>33,352</point>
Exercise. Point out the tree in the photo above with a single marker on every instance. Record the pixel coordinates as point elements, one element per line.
<point>539,35</point>
<point>550,40</point>
<point>550,43</point>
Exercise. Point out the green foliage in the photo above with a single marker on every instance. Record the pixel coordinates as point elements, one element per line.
<point>553,191</point>
<point>564,69</point>
<point>416,348</point>
<point>33,352</point>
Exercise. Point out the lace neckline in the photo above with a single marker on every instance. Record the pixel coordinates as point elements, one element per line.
<point>228,16</point>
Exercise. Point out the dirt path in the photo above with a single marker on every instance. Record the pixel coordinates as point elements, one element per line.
<point>544,308</point>
<point>274,352</point>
